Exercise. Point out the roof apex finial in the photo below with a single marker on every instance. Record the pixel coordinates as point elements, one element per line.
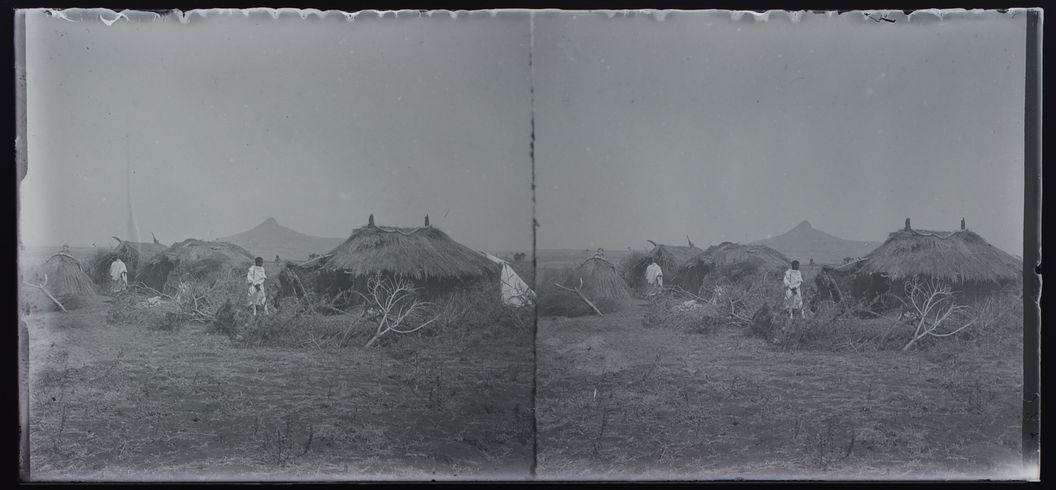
<point>907,225</point>
<point>426,220</point>
<point>962,224</point>
<point>370,220</point>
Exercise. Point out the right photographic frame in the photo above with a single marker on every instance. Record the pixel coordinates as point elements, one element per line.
<point>787,245</point>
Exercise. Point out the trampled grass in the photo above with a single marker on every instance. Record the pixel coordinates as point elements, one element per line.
<point>619,399</point>
<point>125,401</point>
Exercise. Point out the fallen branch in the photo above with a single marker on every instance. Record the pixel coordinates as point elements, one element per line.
<point>579,293</point>
<point>42,288</point>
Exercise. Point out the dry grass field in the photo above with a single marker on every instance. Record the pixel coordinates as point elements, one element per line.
<point>116,392</point>
<point>623,396</point>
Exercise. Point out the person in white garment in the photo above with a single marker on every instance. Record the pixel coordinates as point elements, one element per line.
<point>118,275</point>
<point>255,277</point>
<point>654,277</point>
<point>793,293</point>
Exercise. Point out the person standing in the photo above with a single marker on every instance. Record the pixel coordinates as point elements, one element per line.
<point>793,293</point>
<point>255,277</point>
<point>118,276</point>
<point>654,277</point>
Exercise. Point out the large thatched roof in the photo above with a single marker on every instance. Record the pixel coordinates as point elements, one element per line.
<point>66,277</point>
<point>421,254</point>
<point>959,256</point>
<point>197,258</point>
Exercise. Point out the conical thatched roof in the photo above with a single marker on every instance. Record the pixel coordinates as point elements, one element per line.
<point>421,254</point>
<point>958,256</point>
<point>66,277</point>
<point>198,258</point>
<point>734,262</point>
<point>600,281</point>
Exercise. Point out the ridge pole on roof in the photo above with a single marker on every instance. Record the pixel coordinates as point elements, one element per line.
<point>962,223</point>
<point>690,241</point>
<point>907,225</point>
<point>427,220</point>
<point>116,238</point>
<point>370,220</point>
<point>156,242</point>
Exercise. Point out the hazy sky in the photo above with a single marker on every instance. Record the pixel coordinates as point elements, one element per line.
<point>316,122</point>
<point>695,124</point>
<point>736,130</point>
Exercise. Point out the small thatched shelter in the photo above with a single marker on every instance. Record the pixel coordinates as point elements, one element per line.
<point>733,263</point>
<point>961,258</point>
<point>65,277</point>
<point>424,255</point>
<point>196,259</point>
<point>133,254</point>
<point>601,284</point>
<point>670,258</point>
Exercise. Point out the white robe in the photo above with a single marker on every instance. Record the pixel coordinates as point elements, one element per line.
<point>256,277</point>
<point>654,276</point>
<point>117,268</point>
<point>793,292</point>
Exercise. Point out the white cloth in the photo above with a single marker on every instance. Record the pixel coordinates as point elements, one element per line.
<point>515,292</point>
<point>793,292</point>
<point>255,277</point>
<point>654,276</point>
<point>117,268</point>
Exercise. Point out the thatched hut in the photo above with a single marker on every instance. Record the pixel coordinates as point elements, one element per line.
<point>66,277</point>
<point>133,254</point>
<point>195,259</point>
<point>425,255</point>
<point>601,284</point>
<point>670,258</point>
<point>961,258</point>
<point>733,263</point>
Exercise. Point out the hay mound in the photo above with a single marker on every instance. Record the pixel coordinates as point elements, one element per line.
<point>197,259</point>
<point>733,263</point>
<point>133,254</point>
<point>602,285</point>
<point>671,259</point>
<point>65,277</point>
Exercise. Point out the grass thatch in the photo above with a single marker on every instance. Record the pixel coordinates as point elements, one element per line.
<point>731,262</point>
<point>601,282</point>
<point>670,258</point>
<point>65,277</point>
<point>959,257</point>
<point>424,255</point>
<point>133,254</point>
<point>196,258</point>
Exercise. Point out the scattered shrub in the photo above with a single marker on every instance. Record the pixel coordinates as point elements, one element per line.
<point>665,312</point>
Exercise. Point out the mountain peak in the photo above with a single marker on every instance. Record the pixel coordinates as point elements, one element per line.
<point>805,225</point>
<point>270,222</point>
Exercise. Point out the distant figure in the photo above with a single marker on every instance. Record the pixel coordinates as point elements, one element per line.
<point>118,276</point>
<point>812,262</point>
<point>654,277</point>
<point>277,258</point>
<point>65,250</point>
<point>600,254</point>
<point>256,278</point>
<point>962,223</point>
<point>793,295</point>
